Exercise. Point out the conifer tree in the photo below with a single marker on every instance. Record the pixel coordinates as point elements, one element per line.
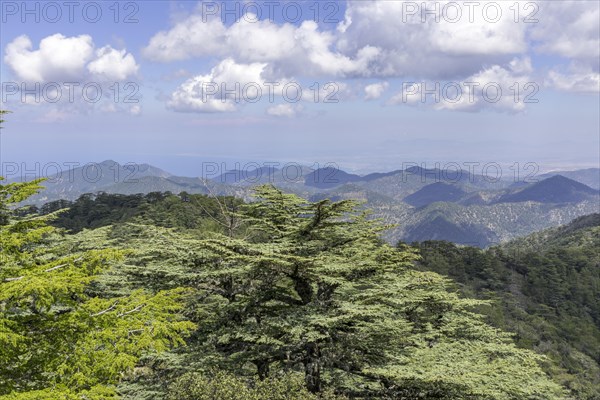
<point>57,340</point>
<point>313,289</point>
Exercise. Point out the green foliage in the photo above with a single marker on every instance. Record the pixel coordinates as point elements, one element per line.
<point>63,393</point>
<point>14,193</point>
<point>284,299</point>
<point>56,339</point>
<point>2,112</point>
<point>220,385</point>
<point>313,289</point>
<point>545,289</point>
<point>185,211</point>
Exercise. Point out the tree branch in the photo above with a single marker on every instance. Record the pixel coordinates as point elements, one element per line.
<point>13,279</point>
<point>138,308</point>
<point>47,270</point>
<point>62,265</point>
<point>107,310</point>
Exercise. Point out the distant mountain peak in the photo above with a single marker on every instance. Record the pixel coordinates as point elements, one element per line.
<point>435,192</point>
<point>555,189</point>
<point>109,162</point>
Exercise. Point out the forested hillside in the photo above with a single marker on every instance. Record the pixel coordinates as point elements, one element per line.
<point>545,288</point>
<point>184,211</point>
<point>194,297</point>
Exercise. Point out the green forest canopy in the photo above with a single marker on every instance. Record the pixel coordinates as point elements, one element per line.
<point>298,292</point>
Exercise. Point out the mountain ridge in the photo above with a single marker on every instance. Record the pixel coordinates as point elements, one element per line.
<point>554,189</point>
<point>473,209</point>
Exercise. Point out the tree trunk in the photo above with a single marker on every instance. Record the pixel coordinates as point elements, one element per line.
<point>262,367</point>
<point>303,288</point>
<point>312,368</point>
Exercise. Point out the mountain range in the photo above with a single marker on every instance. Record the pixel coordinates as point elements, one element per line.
<point>422,204</point>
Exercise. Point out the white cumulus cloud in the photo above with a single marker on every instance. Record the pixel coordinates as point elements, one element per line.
<point>217,91</point>
<point>580,82</point>
<point>113,65</point>
<point>505,88</point>
<point>375,90</point>
<point>424,41</point>
<point>61,59</point>
<point>412,43</point>
<point>70,74</point>
<point>57,58</point>
<point>289,49</point>
<point>569,29</point>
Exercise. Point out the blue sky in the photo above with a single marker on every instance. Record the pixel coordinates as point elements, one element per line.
<point>175,57</point>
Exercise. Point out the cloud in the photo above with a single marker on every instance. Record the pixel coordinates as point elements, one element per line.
<point>390,39</point>
<point>500,88</point>
<point>327,92</point>
<point>262,41</point>
<point>415,44</point>
<point>192,37</point>
<point>68,73</point>
<point>491,31</point>
<point>579,82</point>
<point>284,110</point>
<point>375,90</point>
<point>230,84</point>
<point>578,37</point>
<point>135,110</point>
<point>442,41</point>
<point>220,90</point>
<point>58,57</point>
<point>63,59</point>
<point>113,65</point>
<point>289,49</point>
<point>411,94</point>
<point>505,88</point>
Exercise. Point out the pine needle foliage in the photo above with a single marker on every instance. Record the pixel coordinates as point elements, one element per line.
<point>57,340</point>
<point>312,289</point>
